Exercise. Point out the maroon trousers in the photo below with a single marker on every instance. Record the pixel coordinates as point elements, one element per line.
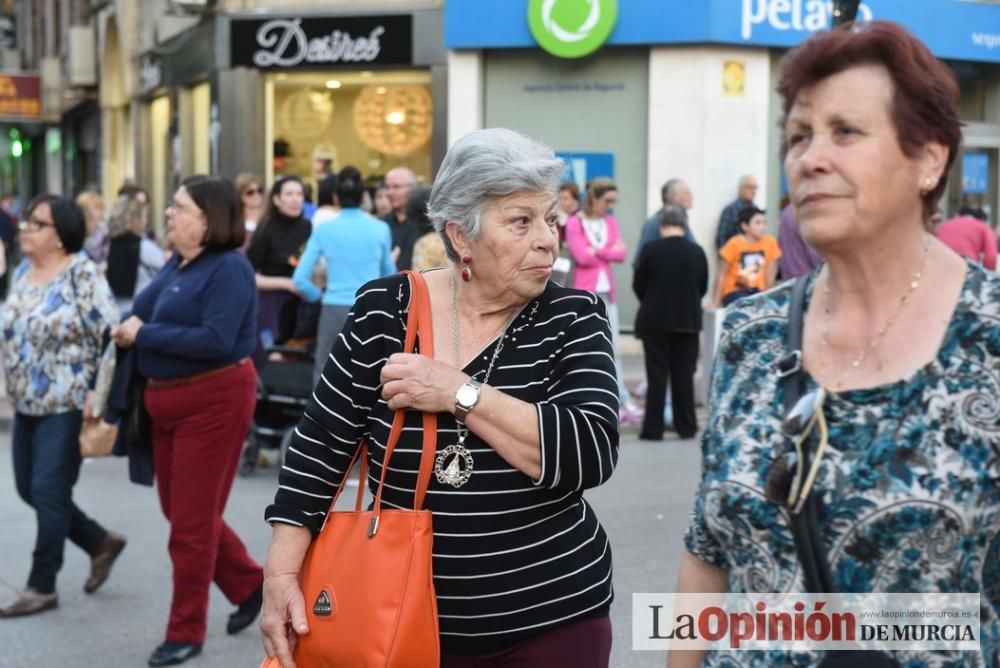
<point>582,644</point>
<point>198,433</point>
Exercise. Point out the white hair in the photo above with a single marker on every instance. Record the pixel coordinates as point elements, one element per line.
<point>483,166</point>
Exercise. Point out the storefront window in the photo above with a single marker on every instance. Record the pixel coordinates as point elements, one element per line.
<point>320,122</point>
<point>159,124</point>
<point>195,128</point>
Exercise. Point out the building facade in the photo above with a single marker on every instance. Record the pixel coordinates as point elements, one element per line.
<point>288,89</point>
<point>49,114</point>
<point>687,89</point>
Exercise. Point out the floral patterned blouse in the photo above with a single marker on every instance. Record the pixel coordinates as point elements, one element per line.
<point>910,480</point>
<point>50,354</point>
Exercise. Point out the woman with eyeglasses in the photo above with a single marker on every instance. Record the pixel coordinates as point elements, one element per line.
<point>278,243</point>
<point>53,324</point>
<point>885,473</point>
<point>193,332</point>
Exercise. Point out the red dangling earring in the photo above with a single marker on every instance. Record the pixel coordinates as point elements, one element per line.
<point>466,270</point>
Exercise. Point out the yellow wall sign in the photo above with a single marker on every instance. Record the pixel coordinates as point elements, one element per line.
<point>734,77</point>
<point>20,97</point>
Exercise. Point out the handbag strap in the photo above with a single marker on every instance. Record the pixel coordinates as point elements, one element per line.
<point>805,524</point>
<point>418,322</point>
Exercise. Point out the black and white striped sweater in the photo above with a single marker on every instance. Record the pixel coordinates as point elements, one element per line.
<point>513,556</point>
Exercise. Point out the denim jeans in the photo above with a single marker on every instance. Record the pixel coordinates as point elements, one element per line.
<point>47,460</point>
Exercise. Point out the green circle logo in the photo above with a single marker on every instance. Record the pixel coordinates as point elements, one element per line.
<point>571,28</point>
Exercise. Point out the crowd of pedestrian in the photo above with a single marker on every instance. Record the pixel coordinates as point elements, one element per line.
<point>238,271</point>
<point>885,398</point>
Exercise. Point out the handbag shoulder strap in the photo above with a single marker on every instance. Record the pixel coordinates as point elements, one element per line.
<point>418,325</point>
<point>793,379</point>
<point>804,525</point>
<point>418,322</point>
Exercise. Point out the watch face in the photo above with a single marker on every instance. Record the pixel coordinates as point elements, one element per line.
<point>467,395</point>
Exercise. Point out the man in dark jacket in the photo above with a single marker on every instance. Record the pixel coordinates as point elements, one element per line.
<point>670,280</point>
<point>399,182</point>
<point>729,223</point>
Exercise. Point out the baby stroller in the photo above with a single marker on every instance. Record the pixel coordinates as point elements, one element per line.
<point>284,386</point>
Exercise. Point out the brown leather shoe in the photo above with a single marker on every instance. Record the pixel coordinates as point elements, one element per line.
<point>30,602</point>
<point>102,561</point>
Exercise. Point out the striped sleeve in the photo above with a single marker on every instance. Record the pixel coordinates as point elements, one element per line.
<point>578,420</point>
<point>333,423</point>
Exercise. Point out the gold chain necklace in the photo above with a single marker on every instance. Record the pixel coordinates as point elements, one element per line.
<point>875,340</point>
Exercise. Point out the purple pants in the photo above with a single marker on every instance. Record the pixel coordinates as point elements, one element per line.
<point>582,644</point>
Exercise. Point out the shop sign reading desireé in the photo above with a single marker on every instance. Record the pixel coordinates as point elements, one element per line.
<point>301,42</point>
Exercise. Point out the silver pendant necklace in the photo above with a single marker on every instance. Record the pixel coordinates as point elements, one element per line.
<point>454,465</point>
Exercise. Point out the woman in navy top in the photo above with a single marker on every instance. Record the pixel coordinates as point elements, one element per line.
<point>193,329</point>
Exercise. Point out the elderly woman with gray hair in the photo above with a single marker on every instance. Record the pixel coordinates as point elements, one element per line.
<point>133,258</point>
<point>523,385</point>
<point>670,280</point>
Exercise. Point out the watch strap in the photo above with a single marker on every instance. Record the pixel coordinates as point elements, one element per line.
<point>461,411</point>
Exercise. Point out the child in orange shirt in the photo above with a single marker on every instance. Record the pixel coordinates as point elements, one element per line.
<point>748,262</point>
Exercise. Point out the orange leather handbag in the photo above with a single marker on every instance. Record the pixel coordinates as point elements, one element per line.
<point>367,578</point>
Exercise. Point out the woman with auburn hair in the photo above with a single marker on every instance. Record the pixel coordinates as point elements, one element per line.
<point>872,447</point>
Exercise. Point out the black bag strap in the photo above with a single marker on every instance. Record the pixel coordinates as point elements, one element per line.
<point>809,543</point>
<point>805,525</point>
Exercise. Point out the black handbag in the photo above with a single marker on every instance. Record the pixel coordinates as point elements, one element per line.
<point>809,545</point>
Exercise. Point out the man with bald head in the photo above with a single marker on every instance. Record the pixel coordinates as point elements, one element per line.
<point>674,192</point>
<point>398,183</point>
<point>729,221</point>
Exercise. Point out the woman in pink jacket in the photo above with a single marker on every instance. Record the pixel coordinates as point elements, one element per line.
<point>593,240</point>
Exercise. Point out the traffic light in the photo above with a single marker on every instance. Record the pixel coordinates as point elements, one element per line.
<point>15,146</point>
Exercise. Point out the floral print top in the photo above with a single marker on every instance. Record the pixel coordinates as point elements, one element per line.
<point>50,354</point>
<point>910,480</point>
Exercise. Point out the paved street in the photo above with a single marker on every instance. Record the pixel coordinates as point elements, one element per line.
<point>644,509</point>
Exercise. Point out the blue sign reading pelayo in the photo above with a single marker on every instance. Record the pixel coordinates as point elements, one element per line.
<point>954,29</point>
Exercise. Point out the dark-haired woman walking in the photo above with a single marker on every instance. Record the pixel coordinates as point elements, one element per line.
<point>193,329</point>
<point>53,325</point>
